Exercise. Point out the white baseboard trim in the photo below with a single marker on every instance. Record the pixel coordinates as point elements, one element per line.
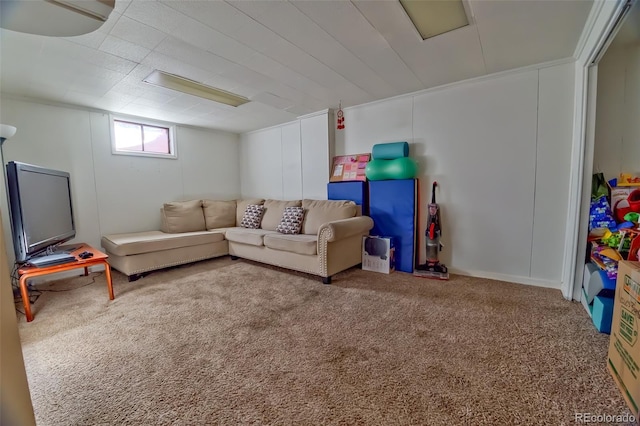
<point>508,278</point>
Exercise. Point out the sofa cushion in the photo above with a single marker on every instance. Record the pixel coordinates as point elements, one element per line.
<point>301,244</point>
<point>182,216</point>
<point>252,216</point>
<point>318,212</point>
<point>273,210</point>
<point>242,206</point>
<point>246,235</point>
<point>291,221</point>
<point>152,241</point>
<point>219,214</point>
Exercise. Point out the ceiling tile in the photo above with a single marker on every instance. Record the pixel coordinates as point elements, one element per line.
<point>155,98</point>
<point>195,56</point>
<point>58,47</point>
<point>506,30</point>
<point>84,99</point>
<point>155,15</point>
<point>137,33</point>
<point>92,40</point>
<point>452,56</point>
<point>273,100</point>
<point>247,77</point>
<point>124,49</point>
<point>181,103</point>
<point>164,18</point>
<point>294,26</point>
<point>206,107</point>
<point>291,57</point>
<point>217,15</point>
<point>300,111</point>
<point>351,29</point>
<point>286,75</point>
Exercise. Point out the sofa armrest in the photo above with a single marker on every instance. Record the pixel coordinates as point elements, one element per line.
<point>339,229</point>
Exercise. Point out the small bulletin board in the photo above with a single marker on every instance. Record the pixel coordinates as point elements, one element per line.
<point>349,167</point>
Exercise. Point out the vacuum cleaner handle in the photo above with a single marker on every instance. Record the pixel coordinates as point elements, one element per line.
<point>433,192</point>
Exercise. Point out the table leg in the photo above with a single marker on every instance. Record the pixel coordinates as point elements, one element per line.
<point>86,271</point>
<point>25,298</point>
<point>107,273</point>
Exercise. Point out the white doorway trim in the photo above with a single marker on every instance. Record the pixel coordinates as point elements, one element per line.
<point>599,31</point>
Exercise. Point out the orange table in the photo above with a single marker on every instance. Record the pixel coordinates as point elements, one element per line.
<point>27,272</point>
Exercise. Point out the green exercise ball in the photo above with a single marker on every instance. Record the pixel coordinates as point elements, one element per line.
<point>399,168</point>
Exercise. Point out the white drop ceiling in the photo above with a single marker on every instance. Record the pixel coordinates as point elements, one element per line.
<point>289,58</point>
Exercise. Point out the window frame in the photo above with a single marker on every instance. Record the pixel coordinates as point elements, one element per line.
<point>173,145</point>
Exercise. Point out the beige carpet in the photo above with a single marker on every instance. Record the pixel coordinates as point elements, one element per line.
<point>224,342</point>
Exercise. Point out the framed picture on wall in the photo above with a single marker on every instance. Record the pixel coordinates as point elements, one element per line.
<point>349,167</point>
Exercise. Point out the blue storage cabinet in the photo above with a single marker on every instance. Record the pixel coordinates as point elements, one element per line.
<point>356,191</point>
<point>393,206</point>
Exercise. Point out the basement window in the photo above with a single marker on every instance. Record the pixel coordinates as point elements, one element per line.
<point>142,138</point>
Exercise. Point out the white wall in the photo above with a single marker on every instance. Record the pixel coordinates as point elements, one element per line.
<point>289,161</point>
<point>617,137</point>
<point>116,193</point>
<point>316,143</point>
<point>553,157</point>
<point>479,140</point>
<point>499,148</point>
<point>261,164</point>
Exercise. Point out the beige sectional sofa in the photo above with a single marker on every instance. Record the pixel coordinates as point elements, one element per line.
<point>329,239</point>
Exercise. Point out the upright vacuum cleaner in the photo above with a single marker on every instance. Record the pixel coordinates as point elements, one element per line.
<point>433,268</point>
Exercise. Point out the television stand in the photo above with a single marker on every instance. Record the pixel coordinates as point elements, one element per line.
<point>29,271</point>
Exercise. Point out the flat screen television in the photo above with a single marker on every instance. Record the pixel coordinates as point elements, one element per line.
<point>40,207</point>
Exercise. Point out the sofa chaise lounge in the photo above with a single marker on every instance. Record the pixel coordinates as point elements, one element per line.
<point>328,238</point>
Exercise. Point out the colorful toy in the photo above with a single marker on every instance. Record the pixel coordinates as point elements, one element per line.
<point>625,179</point>
<point>634,249</point>
<point>632,217</point>
<point>604,262</point>
<point>634,201</point>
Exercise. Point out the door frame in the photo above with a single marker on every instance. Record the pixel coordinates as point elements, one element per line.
<point>602,25</point>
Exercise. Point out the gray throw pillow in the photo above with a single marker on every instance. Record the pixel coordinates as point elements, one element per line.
<point>291,222</point>
<point>252,216</point>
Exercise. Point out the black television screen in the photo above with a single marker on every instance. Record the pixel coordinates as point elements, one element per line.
<point>40,207</point>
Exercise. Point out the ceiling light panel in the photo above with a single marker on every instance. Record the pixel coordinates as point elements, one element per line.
<point>435,17</point>
<point>95,9</point>
<point>184,85</point>
<point>56,18</point>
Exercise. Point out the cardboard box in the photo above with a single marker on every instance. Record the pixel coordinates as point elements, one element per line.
<point>378,254</point>
<point>624,346</point>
